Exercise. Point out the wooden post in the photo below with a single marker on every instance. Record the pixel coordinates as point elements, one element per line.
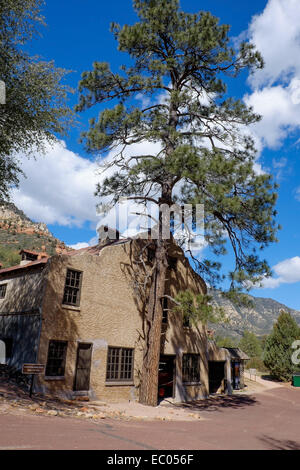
<point>31,385</point>
<point>33,369</point>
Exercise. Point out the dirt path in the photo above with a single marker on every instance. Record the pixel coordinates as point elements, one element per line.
<point>263,420</point>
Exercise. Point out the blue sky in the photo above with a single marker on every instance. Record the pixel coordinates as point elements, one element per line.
<point>59,185</point>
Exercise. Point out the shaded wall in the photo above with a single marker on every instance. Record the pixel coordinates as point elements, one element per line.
<point>20,314</point>
<point>20,332</point>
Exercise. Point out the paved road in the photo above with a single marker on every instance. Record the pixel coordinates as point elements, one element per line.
<point>268,420</point>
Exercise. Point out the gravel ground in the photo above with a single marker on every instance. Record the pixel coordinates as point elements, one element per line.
<point>15,400</point>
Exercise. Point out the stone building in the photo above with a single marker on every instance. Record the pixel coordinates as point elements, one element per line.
<point>79,314</point>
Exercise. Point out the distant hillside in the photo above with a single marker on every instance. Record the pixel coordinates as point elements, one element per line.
<point>259,319</point>
<point>17,231</point>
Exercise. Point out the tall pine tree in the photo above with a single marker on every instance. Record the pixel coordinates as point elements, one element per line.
<point>278,347</point>
<point>178,65</point>
<point>250,344</point>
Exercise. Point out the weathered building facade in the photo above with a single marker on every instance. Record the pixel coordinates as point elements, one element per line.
<point>79,314</point>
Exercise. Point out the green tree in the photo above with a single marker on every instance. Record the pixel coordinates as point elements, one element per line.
<point>226,342</point>
<point>263,340</point>
<point>278,351</point>
<point>35,107</point>
<point>197,308</point>
<point>9,256</point>
<point>178,64</point>
<point>250,344</point>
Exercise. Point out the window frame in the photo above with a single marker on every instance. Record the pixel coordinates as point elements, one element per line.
<point>188,374</point>
<point>172,263</point>
<point>2,296</point>
<point>78,295</point>
<point>63,359</point>
<point>150,255</point>
<point>165,310</point>
<point>118,368</point>
<point>186,322</point>
<point>9,345</point>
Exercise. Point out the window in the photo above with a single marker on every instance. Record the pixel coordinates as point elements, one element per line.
<point>2,290</point>
<point>119,364</point>
<point>72,288</point>
<point>150,255</point>
<point>28,255</point>
<point>165,310</point>
<point>186,322</point>
<point>191,368</point>
<point>6,351</point>
<point>172,262</point>
<point>56,358</point>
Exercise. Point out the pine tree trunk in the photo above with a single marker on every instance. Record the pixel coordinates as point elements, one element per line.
<point>149,380</point>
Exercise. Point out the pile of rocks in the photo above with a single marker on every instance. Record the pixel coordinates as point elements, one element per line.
<point>14,400</point>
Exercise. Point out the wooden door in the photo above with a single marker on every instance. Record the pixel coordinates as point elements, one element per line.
<point>83,367</point>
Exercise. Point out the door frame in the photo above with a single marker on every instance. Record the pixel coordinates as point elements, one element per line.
<point>209,372</point>
<point>174,357</point>
<point>76,364</point>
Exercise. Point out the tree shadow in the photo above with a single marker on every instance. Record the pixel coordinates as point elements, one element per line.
<point>14,379</point>
<point>279,444</point>
<point>270,378</point>
<point>218,403</point>
<point>12,393</point>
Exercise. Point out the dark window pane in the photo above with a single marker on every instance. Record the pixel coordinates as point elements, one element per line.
<point>191,368</point>
<point>172,262</point>
<point>72,288</point>
<point>150,255</point>
<point>186,322</point>
<point>165,310</point>
<point>2,290</point>
<point>119,364</point>
<point>56,358</point>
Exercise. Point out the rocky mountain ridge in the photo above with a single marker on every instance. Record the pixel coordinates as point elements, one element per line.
<point>258,318</point>
<point>17,231</point>
<point>12,217</point>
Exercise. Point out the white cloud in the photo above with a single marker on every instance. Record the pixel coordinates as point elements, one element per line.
<point>276,88</point>
<point>59,187</point>
<point>288,272</point>
<point>79,245</point>
<point>258,169</point>
<point>270,283</point>
<point>276,33</point>
<point>298,194</point>
<point>280,112</point>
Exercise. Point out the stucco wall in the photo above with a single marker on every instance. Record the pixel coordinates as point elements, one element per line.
<point>110,315</point>
<point>107,316</point>
<point>24,290</point>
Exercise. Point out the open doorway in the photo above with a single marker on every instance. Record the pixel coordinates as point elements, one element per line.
<point>216,376</point>
<point>236,375</point>
<point>166,377</point>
